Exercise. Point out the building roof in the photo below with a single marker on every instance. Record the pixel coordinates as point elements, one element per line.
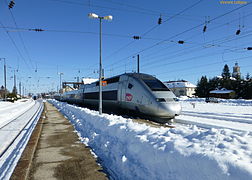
<point>179,84</point>
<point>221,91</point>
<point>89,80</point>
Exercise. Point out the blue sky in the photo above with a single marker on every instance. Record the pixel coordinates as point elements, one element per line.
<point>70,42</point>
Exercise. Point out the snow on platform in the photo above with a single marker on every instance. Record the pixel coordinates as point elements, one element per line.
<point>129,150</point>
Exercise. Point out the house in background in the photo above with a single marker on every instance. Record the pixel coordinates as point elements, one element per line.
<point>222,93</point>
<point>181,88</point>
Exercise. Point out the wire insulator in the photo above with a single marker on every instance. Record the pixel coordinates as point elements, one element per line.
<point>136,37</point>
<point>238,32</point>
<point>159,20</point>
<point>204,29</point>
<point>11,4</point>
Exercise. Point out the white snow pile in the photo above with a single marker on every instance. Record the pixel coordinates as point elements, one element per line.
<point>129,150</point>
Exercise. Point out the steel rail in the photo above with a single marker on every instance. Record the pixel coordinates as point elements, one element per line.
<point>16,117</point>
<point>21,130</point>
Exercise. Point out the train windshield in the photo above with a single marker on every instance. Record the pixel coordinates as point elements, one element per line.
<point>155,85</point>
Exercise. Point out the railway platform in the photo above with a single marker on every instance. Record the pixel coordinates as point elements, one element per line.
<point>54,152</point>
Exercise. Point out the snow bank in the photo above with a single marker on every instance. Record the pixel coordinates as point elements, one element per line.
<point>129,150</point>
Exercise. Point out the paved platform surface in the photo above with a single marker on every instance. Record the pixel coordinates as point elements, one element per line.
<point>58,154</point>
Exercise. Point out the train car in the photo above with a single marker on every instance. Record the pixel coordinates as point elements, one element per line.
<point>142,94</point>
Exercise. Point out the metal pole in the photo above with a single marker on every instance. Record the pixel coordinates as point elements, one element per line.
<point>60,84</point>
<point>5,88</point>
<point>100,71</point>
<point>138,64</point>
<point>15,87</point>
<point>23,91</point>
<point>20,89</point>
<point>78,86</point>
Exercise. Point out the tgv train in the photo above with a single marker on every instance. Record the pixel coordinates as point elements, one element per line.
<point>139,93</point>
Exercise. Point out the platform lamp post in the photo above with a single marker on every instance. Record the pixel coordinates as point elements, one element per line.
<point>95,16</point>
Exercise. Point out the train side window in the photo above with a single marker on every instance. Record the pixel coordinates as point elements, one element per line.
<point>130,85</point>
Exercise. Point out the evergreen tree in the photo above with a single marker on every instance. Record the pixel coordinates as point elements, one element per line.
<point>247,94</point>
<point>226,82</point>
<point>225,73</point>
<point>214,83</point>
<point>241,86</point>
<point>247,76</point>
<point>202,89</point>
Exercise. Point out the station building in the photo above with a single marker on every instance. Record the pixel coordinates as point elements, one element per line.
<point>181,88</point>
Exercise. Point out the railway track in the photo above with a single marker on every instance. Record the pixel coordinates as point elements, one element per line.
<point>2,126</point>
<point>152,123</point>
<point>205,120</point>
<point>215,120</point>
<point>15,134</point>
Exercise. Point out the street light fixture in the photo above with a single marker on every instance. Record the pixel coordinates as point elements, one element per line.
<point>95,16</point>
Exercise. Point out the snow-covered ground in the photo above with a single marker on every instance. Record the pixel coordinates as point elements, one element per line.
<point>17,121</point>
<point>9,110</point>
<point>215,142</point>
<point>231,114</point>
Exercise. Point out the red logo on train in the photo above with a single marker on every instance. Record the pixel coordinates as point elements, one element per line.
<point>128,97</point>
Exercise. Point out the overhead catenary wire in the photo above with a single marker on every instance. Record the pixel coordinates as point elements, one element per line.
<point>154,54</point>
<point>204,46</point>
<point>206,65</point>
<point>15,45</point>
<point>127,45</point>
<point>168,19</point>
<point>175,56</point>
<point>19,34</point>
<point>137,9</point>
<point>185,31</point>
<point>207,71</point>
<point>17,29</point>
<point>102,7</point>
<point>152,28</point>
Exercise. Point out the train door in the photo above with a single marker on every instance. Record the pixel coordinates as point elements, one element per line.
<point>122,89</point>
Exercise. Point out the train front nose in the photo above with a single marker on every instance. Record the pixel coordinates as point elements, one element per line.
<point>169,109</point>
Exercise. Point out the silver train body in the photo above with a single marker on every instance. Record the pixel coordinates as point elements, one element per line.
<point>139,93</point>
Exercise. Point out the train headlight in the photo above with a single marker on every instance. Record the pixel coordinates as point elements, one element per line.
<point>176,99</point>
